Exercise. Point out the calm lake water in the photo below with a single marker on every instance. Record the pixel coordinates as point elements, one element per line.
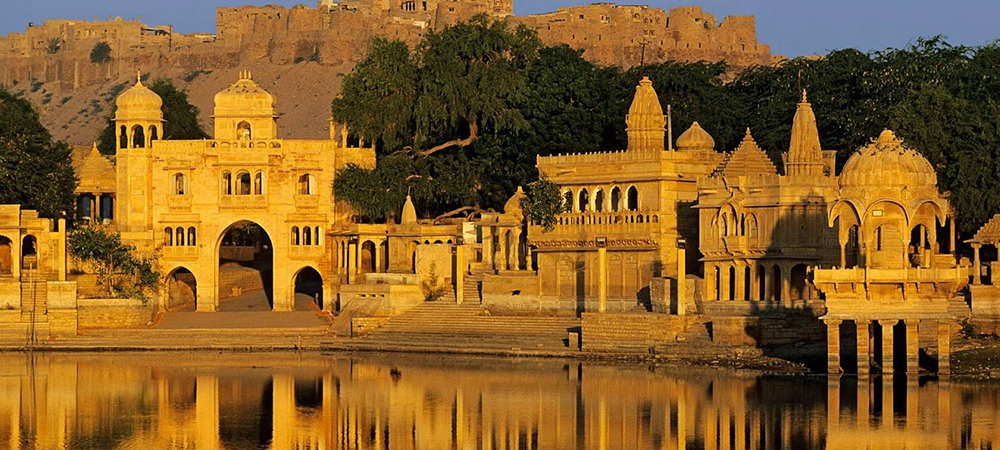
<point>312,401</point>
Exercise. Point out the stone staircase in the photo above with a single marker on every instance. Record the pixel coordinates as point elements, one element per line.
<point>446,326</point>
<point>34,297</point>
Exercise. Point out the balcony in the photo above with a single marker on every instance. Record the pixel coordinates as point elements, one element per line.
<point>243,203</point>
<point>622,228</point>
<point>180,252</point>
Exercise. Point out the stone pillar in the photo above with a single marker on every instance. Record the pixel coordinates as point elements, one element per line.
<point>681,415</point>
<point>740,284</point>
<point>864,359</point>
<point>504,251</point>
<point>786,286</point>
<point>459,274</point>
<point>843,255</point>
<point>377,256</point>
<point>833,346</point>
<point>352,258</point>
<point>951,236</point>
<point>724,282</point>
<point>711,283</point>
<point>912,348</point>
<point>832,404</point>
<point>912,402</point>
<point>602,277</point>
<point>206,412</point>
<point>864,401</point>
<point>768,285</point>
<point>944,347</point>
<point>887,336</point>
<point>976,270</point>
<point>681,281</point>
<point>488,248</point>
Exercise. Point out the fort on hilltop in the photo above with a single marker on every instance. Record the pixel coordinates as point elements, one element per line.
<point>337,32</point>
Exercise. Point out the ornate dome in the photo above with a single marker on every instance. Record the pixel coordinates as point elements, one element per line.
<point>887,162</point>
<point>513,205</point>
<point>695,138</point>
<point>139,103</point>
<point>244,98</point>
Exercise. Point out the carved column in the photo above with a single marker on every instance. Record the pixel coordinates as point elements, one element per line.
<point>912,348</point>
<point>740,283</point>
<point>864,363</point>
<point>833,346</point>
<point>602,279</point>
<point>944,347</point>
<point>887,335</point>
<point>976,270</point>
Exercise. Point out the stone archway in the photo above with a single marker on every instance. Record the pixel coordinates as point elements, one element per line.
<point>245,256</point>
<point>182,290</point>
<point>6,256</point>
<point>307,286</point>
<point>29,252</point>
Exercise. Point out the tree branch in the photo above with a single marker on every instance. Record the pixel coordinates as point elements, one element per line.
<point>473,135</point>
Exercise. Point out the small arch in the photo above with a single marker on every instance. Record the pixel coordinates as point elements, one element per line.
<point>227,183</point>
<point>243,131</point>
<point>633,198</point>
<point>180,184</point>
<point>384,252</point>
<point>123,137</point>
<point>138,137</point>
<point>307,184</point>
<point>295,235</point>
<point>243,183</point>
<point>316,235</point>
<point>168,237</point>
<point>153,135</point>
<point>584,200</point>
<point>747,284</point>
<point>29,252</point>
<point>761,283</point>
<point>179,236</point>
<point>718,284</point>
<point>306,236</point>
<point>6,256</point>
<point>732,283</point>
<point>568,201</point>
<point>182,289</point>
<point>192,237</point>
<point>258,183</point>
<point>599,200</point>
<point>616,198</point>
<point>368,257</point>
<point>307,288</point>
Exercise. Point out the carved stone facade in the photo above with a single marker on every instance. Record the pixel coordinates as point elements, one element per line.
<point>183,196</point>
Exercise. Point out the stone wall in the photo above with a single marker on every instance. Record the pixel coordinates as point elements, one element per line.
<point>113,313</point>
<point>384,299</point>
<point>767,331</point>
<point>10,294</point>
<point>630,333</point>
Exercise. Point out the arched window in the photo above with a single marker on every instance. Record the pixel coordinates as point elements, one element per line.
<point>599,200</point>
<point>584,202</point>
<point>295,235</point>
<point>180,184</point>
<point>168,237</point>
<point>243,131</point>
<point>633,199</point>
<point>227,183</point>
<point>306,236</point>
<point>316,240</point>
<point>179,235</point>
<point>568,201</point>
<point>878,239</point>
<point>153,136</point>
<point>243,183</point>
<point>616,198</point>
<point>123,139</point>
<point>258,183</point>
<point>192,238</point>
<point>724,225</point>
<point>732,283</point>
<point>138,137</point>
<point>307,184</point>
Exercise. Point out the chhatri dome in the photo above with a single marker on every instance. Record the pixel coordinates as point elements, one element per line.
<point>139,103</point>
<point>245,111</point>
<point>695,138</point>
<point>887,162</point>
<point>647,126</point>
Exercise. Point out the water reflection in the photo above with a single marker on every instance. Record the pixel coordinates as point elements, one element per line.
<point>226,401</point>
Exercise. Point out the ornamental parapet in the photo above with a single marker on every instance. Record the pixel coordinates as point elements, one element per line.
<point>620,229</point>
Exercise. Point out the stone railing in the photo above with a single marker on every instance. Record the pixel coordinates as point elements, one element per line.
<point>603,223</point>
<point>243,202</point>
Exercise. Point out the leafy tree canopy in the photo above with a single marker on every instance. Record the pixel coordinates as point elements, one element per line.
<point>101,53</point>
<point>36,172</point>
<point>180,116</point>
<point>120,270</point>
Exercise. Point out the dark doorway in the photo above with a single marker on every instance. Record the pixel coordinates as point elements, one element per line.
<point>246,268</point>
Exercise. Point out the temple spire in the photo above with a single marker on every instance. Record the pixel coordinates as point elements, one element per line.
<point>647,126</point>
<point>805,155</point>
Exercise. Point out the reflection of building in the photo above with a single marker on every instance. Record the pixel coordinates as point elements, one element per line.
<point>184,196</point>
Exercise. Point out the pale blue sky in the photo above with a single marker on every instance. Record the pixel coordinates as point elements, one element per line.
<point>791,27</point>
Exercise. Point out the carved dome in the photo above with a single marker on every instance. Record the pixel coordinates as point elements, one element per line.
<point>695,138</point>
<point>139,103</point>
<point>887,162</point>
<point>244,98</point>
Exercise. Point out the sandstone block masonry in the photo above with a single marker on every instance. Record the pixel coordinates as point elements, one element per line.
<point>338,32</point>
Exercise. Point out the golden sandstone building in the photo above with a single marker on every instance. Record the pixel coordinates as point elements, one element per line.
<point>659,240</point>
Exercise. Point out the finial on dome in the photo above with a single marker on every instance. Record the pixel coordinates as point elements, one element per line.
<point>887,136</point>
<point>748,133</point>
<point>138,77</point>
<point>94,150</point>
<point>805,98</point>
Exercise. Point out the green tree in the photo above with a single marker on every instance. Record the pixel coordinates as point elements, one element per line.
<point>101,53</point>
<point>543,202</point>
<point>35,170</point>
<point>53,46</point>
<point>120,270</point>
<point>179,115</point>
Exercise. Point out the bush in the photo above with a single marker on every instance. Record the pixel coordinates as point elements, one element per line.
<point>431,286</point>
<point>101,53</point>
<point>968,329</point>
<point>120,270</point>
<point>54,45</point>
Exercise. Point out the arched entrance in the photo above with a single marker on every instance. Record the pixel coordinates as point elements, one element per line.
<point>246,277</point>
<point>368,257</point>
<point>6,256</point>
<point>29,252</point>
<point>776,283</point>
<point>308,289</point>
<point>182,290</point>
<point>800,289</point>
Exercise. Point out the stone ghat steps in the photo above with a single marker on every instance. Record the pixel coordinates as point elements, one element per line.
<point>246,333</point>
